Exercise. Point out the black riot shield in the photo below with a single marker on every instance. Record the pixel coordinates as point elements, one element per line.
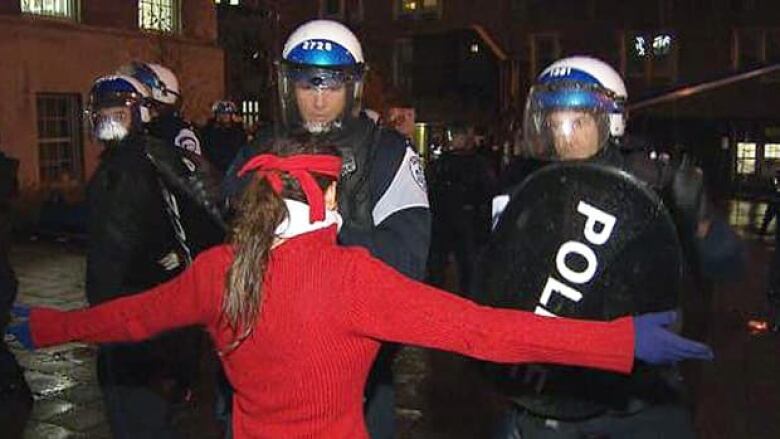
<point>586,241</point>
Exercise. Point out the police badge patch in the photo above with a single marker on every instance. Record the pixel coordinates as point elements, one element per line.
<point>187,140</point>
<point>415,167</point>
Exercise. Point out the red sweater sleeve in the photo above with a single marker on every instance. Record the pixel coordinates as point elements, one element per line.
<point>192,298</point>
<point>385,305</point>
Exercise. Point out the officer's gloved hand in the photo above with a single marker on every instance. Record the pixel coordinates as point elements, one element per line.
<point>655,344</point>
<point>20,311</point>
<point>21,330</point>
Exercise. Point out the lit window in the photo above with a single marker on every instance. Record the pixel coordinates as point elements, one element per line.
<point>419,7</point>
<point>250,112</point>
<point>652,56</point>
<point>746,158</point>
<point>60,150</point>
<point>640,47</point>
<point>662,45</point>
<point>227,2</point>
<point>772,151</point>
<point>51,8</point>
<point>158,15</point>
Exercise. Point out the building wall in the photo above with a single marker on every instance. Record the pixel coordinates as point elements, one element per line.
<point>43,55</point>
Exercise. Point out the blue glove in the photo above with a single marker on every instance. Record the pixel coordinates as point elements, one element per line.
<point>21,331</point>
<point>654,344</point>
<point>22,311</point>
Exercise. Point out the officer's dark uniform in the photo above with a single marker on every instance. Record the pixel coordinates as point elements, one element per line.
<point>222,143</point>
<point>383,201</point>
<point>461,185</point>
<point>15,397</point>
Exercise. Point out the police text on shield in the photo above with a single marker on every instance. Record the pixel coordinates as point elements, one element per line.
<point>598,228</point>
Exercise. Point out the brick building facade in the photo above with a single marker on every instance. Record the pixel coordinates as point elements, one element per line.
<point>52,51</point>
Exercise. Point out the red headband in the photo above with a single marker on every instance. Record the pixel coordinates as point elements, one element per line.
<point>299,167</point>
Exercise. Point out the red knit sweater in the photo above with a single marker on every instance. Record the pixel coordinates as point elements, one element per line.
<point>326,309</point>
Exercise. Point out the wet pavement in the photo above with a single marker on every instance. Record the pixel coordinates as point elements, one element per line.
<point>68,403</point>
<point>439,395</point>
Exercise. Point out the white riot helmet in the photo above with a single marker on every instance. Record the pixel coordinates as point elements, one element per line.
<point>575,107</point>
<point>161,81</point>
<point>117,107</point>
<point>320,56</point>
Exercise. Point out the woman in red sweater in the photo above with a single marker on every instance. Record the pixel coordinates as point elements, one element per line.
<point>298,319</point>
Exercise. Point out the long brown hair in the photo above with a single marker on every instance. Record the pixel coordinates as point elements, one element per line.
<point>260,210</point>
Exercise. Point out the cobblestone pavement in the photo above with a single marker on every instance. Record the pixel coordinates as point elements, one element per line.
<point>63,379</point>
<point>439,395</point>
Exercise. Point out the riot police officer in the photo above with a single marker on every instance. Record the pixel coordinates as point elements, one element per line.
<point>461,184</point>
<point>575,113</point>
<point>136,241</point>
<point>383,192</point>
<point>223,135</point>
<point>129,234</point>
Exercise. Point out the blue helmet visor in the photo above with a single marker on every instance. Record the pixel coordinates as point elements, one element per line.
<point>321,77</point>
<point>567,121</point>
<point>144,74</point>
<point>113,93</point>
<point>573,98</point>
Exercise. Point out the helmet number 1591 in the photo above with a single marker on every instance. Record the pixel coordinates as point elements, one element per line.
<point>560,71</point>
<point>317,45</point>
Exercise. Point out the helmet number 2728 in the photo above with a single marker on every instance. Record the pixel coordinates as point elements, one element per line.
<point>317,45</point>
